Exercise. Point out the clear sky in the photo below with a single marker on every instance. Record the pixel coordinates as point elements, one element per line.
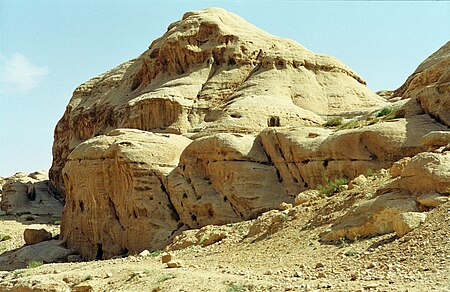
<point>47,48</point>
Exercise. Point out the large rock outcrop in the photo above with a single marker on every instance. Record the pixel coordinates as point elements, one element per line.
<point>211,72</point>
<point>428,88</point>
<point>223,122</point>
<point>28,193</point>
<point>116,197</point>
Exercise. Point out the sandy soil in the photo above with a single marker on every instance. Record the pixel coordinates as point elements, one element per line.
<point>287,256</point>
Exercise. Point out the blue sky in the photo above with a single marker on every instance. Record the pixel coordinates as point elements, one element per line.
<point>47,48</point>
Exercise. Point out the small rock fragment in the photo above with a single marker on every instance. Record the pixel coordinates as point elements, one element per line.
<point>406,222</point>
<point>357,181</point>
<point>319,265</point>
<point>166,257</point>
<point>399,166</point>
<point>284,206</point>
<point>144,253</point>
<point>174,264</point>
<point>432,199</point>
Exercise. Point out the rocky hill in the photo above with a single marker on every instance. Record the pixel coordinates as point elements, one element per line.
<point>224,139</point>
<point>227,123</point>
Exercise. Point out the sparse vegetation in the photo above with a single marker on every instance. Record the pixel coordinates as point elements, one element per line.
<point>343,242</point>
<point>351,124</point>
<point>88,278</point>
<point>4,237</point>
<point>235,287</point>
<point>333,122</point>
<point>165,277</point>
<point>332,186</point>
<point>155,253</point>
<point>384,112</point>
<point>351,253</point>
<point>57,222</point>
<point>202,239</point>
<point>34,264</point>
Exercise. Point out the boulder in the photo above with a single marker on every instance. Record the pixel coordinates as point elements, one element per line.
<point>433,199</point>
<point>211,72</point>
<point>371,217</point>
<point>406,222</point>
<point>426,172</point>
<point>33,236</point>
<point>117,197</point>
<point>436,139</point>
<point>50,251</point>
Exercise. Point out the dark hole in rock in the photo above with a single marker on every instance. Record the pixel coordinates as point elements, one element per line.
<point>99,255</point>
<point>81,206</point>
<point>273,121</point>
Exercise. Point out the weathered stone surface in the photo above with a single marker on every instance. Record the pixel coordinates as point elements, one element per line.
<point>429,86</point>
<point>398,166</point>
<point>305,156</point>
<point>35,283</point>
<point>436,139</point>
<point>360,180</point>
<point>211,71</point>
<point>406,222</point>
<point>306,196</point>
<point>48,252</point>
<point>426,172</point>
<point>374,216</point>
<point>224,178</point>
<point>433,199</point>
<point>116,197</point>
<point>29,193</point>
<point>36,235</point>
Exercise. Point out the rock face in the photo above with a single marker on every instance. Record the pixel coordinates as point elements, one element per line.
<point>211,72</point>
<point>224,178</point>
<point>29,193</point>
<point>429,86</point>
<point>116,197</point>
<point>218,122</point>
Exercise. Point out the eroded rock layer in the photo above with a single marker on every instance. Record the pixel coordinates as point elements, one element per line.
<point>223,122</point>
<point>211,72</point>
<point>116,193</point>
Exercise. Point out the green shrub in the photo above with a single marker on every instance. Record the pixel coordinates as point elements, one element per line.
<point>385,111</point>
<point>57,222</point>
<point>34,264</point>
<point>332,186</point>
<point>333,122</point>
<point>155,253</point>
<point>350,125</point>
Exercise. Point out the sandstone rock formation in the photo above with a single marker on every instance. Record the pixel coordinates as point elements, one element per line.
<point>218,122</point>
<point>48,252</point>
<point>36,235</point>
<point>29,193</point>
<point>116,197</point>
<point>429,86</point>
<point>211,72</point>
